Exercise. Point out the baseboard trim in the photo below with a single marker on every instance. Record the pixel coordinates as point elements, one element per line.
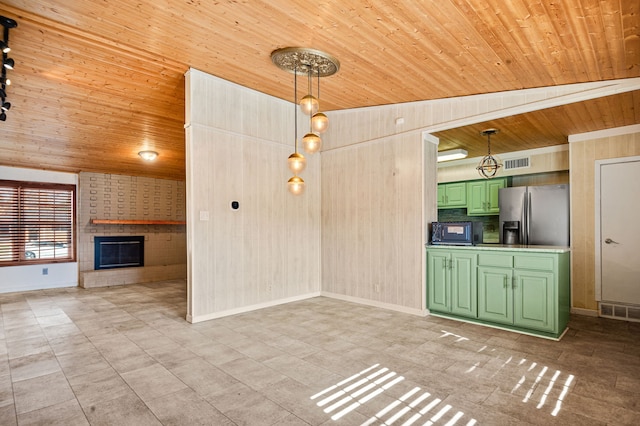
<point>585,312</point>
<point>376,304</point>
<point>199,318</point>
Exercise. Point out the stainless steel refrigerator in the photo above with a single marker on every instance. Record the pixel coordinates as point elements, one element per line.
<point>534,215</point>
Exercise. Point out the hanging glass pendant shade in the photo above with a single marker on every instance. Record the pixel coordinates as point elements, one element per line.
<point>295,185</point>
<point>309,104</point>
<point>311,143</point>
<point>319,122</point>
<point>297,163</point>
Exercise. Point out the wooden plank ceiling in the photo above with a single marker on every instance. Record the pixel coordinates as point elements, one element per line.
<point>96,81</point>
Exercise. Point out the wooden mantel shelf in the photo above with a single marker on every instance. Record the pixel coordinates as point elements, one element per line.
<point>136,222</point>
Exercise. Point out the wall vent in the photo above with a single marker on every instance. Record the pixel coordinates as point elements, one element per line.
<point>618,311</point>
<point>517,163</point>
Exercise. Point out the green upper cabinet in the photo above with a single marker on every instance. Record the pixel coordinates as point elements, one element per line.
<point>482,197</point>
<point>452,195</point>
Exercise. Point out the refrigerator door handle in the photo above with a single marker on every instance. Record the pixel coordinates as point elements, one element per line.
<point>524,227</point>
<point>528,214</point>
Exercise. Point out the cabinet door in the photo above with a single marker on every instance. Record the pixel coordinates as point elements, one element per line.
<point>438,280</point>
<point>534,300</point>
<point>476,197</point>
<point>457,194</point>
<point>492,206</point>
<point>452,195</point>
<point>464,289</point>
<point>495,294</point>
<point>442,195</point>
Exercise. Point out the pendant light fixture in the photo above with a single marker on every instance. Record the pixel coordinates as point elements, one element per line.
<point>489,165</point>
<point>296,161</point>
<point>309,62</point>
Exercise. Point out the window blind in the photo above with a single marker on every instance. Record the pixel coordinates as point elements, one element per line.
<point>36,222</point>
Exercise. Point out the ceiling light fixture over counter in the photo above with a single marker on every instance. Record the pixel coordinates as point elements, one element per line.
<point>452,154</point>
<point>312,63</point>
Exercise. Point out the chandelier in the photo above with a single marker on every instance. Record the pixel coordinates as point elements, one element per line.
<point>489,165</point>
<point>311,63</point>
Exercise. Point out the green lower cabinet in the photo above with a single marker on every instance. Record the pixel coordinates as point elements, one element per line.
<point>520,298</point>
<point>522,291</point>
<point>534,299</point>
<point>453,289</point>
<point>495,295</point>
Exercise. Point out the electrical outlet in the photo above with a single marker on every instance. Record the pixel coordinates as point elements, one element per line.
<point>376,288</point>
<point>45,271</point>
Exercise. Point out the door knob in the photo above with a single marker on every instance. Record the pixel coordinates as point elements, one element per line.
<point>610,241</point>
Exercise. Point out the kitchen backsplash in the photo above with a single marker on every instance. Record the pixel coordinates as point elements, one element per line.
<point>490,223</point>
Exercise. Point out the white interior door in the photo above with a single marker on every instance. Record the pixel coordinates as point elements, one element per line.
<point>619,230</point>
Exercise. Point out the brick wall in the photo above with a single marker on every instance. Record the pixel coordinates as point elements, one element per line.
<point>108,196</point>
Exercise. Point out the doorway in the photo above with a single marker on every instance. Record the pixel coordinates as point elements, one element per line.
<point>617,237</point>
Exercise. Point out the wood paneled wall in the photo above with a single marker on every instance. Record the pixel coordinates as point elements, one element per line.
<point>373,220</point>
<point>268,250</point>
<point>583,154</point>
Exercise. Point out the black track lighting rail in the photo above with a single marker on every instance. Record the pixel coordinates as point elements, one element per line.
<point>7,64</point>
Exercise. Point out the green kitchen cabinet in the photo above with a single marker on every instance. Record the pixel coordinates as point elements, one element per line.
<point>452,195</point>
<point>452,278</point>
<point>521,289</point>
<point>518,290</point>
<point>482,196</point>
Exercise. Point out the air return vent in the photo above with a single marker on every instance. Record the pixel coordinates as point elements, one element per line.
<point>517,163</point>
<point>618,311</point>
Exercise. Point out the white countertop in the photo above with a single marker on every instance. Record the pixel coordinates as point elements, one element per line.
<point>504,247</point>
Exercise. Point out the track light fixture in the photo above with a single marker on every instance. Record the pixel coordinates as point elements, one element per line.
<point>7,64</point>
<point>312,63</point>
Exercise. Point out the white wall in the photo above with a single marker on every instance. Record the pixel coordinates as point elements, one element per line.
<point>268,251</point>
<point>30,277</point>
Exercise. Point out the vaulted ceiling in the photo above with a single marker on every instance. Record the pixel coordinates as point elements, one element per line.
<point>96,81</point>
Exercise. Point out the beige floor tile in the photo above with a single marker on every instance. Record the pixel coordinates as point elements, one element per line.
<point>124,410</point>
<point>99,387</point>
<point>30,366</point>
<point>41,392</point>
<point>8,415</point>
<point>153,382</point>
<point>185,407</point>
<point>203,377</point>
<point>66,413</point>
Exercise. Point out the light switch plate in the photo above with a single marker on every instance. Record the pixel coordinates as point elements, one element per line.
<point>204,215</point>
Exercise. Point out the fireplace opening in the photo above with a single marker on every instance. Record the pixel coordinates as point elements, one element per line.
<point>118,252</point>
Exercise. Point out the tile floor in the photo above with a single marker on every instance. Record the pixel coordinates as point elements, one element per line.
<point>126,356</point>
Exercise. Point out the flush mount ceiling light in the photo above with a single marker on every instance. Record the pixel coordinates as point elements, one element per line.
<point>148,155</point>
<point>7,64</point>
<point>489,165</point>
<point>452,154</point>
<point>312,63</point>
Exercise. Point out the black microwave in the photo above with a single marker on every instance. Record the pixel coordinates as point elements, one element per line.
<point>456,233</point>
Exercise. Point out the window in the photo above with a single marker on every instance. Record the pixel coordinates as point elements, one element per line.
<point>36,222</point>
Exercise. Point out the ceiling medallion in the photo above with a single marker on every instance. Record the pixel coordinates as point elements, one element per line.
<point>302,60</point>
